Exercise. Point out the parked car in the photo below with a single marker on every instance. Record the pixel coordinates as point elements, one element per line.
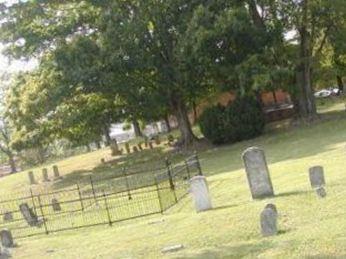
<point>323,93</point>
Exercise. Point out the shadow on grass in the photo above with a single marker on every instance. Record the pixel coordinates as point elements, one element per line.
<point>144,161</point>
<point>293,193</point>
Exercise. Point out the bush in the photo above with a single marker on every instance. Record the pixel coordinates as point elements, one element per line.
<point>241,120</point>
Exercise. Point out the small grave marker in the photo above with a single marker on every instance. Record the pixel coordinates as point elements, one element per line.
<point>56,205</point>
<point>8,216</point>
<point>172,249</point>
<point>29,215</point>
<point>316,175</point>
<point>45,175</point>
<point>269,221</point>
<point>6,238</point>
<point>321,192</point>
<point>56,172</point>
<point>31,177</point>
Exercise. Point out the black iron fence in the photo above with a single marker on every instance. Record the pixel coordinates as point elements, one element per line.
<point>130,193</point>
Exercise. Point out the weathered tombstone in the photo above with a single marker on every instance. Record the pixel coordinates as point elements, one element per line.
<point>6,238</point>
<point>114,148</point>
<point>272,207</point>
<point>56,205</point>
<point>127,147</point>
<point>135,149</point>
<point>45,175</point>
<point>56,172</point>
<point>316,176</point>
<point>157,140</point>
<point>8,216</point>
<point>200,193</point>
<point>31,177</point>
<point>269,221</point>
<point>140,146</point>
<point>151,145</point>
<point>29,215</point>
<point>321,192</point>
<point>257,173</point>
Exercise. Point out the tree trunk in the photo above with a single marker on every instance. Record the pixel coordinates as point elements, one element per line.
<point>136,128</point>
<point>306,96</point>
<point>179,109</point>
<point>340,83</point>
<point>107,136</point>
<point>12,163</point>
<point>194,107</point>
<point>166,118</point>
<point>98,144</point>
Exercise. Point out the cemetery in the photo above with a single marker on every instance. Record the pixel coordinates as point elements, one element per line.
<point>172,129</point>
<point>252,198</point>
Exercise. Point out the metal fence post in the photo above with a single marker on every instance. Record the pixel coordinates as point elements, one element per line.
<point>33,201</point>
<point>80,197</point>
<point>198,164</point>
<point>158,194</point>
<point>107,209</point>
<point>127,184</point>
<point>43,218</point>
<point>169,172</point>
<point>92,188</point>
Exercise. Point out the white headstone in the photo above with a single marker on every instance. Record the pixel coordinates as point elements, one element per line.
<point>200,193</point>
<point>257,173</point>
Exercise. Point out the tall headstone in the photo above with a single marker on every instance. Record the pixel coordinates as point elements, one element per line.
<point>56,205</point>
<point>6,238</point>
<point>151,145</point>
<point>200,193</point>
<point>269,221</point>
<point>316,174</point>
<point>28,215</point>
<point>45,175</point>
<point>127,147</point>
<point>56,172</point>
<point>31,177</point>
<point>257,173</point>
<point>157,140</point>
<point>115,148</point>
<point>135,149</point>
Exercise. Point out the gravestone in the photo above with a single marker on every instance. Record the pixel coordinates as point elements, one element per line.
<point>29,215</point>
<point>114,148</point>
<point>269,221</point>
<point>45,175</point>
<point>257,173</point>
<point>316,175</point>
<point>56,172</point>
<point>200,193</point>
<point>135,149</point>
<point>56,205</point>
<point>8,216</point>
<point>103,161</point>
<point>157,140</point>
<point>321,192</point>
<point>151,145</point>
<point>272,207</point>
<point>140,146</point>
<point>6,238</point>
<point>127,147</point>
<point>31,178</point>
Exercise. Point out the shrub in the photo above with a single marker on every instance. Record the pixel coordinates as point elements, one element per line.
<point>242,119</point>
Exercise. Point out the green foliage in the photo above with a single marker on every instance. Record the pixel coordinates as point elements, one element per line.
<point>240,120</point>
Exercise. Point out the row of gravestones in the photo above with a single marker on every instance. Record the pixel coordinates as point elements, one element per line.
<point>260,186</point>
<point>45,176</point>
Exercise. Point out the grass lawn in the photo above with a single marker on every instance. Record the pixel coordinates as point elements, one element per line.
<point>309,227</point>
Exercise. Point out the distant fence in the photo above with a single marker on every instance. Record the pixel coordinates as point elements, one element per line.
<point>131,193</point>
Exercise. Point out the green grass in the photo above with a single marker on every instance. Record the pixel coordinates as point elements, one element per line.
<point>309,227</point>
